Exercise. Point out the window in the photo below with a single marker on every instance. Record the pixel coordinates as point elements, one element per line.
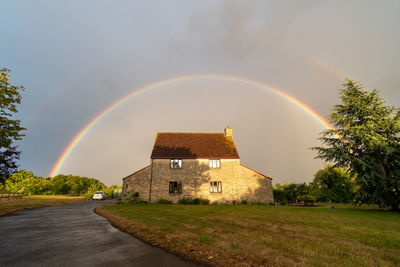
<point>215,187</point>
<point>176,163</point>
<point>175,187</point>
<point>215,163</point>
<point>126,186</point>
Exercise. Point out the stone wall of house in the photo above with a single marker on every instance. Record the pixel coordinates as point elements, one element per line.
<point>238,182</point>
<point>139,182</point>
<point>253,186</point>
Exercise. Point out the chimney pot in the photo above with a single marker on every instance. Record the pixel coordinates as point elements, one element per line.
<point>228,132</point>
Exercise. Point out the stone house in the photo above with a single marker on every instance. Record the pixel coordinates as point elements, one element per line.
<point>198,165</point>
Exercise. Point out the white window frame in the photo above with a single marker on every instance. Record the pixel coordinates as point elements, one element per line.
<point>214,163</point>
<point>176,164</point>
<point>215,187</point>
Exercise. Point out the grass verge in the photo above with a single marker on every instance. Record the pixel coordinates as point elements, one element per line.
<point>265,235</point>
<point>7,206</point>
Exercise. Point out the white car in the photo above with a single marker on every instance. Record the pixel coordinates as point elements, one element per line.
<point>100,195</point>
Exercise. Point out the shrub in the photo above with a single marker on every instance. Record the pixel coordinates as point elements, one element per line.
<point>257,203</point>
<point>132,197</point>
<point>204,201</point>
<point>196,201</point>
<point>163,201</point>
<point>244,202</point>
<point>185,201</point>
<point>89,194</point>
<point>308,199</point>
<point>109,192</point>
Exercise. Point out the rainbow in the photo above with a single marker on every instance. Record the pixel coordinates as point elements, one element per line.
<point>331,69</point>
<point>67,151</point>
<point>310,59</point>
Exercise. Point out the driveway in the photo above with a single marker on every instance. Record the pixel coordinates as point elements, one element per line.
<point>73,235</point>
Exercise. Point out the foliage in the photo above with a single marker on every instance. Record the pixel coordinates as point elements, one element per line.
<point>26,180</point>
<point>366,139</point>
<point>257,203</point>
<point>75,185</point>
<point>330,184</point>
<point>195,201</point>
<point>10,130</point>
<point>58,185</point>
<point>163,201</point>
<point>109,191</point>
<point>288,193</point>
<point>132,197</point>
<point>185,201</point>
<point>204,201</point>
<point>243,202</point>
<point>334,185</point>
<point>308,199</point>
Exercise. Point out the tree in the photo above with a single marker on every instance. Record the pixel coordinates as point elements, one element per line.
<point>366,139</point>
<point>308,199</point>
<point>288,193</point>
<point>60,184</point>
<point>28,182</point>
<point>10,130</point>
<point>333,184</point>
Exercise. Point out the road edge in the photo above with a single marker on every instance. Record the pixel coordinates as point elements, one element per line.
<point>147,235</point>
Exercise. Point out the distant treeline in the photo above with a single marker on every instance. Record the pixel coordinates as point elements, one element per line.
<point>329,185</point>
<point>61,184</point>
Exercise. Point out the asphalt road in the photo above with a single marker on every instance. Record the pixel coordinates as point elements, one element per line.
<point>73,235</point>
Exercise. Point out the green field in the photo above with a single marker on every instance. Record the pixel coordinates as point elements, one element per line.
<point>7,206</point>
<point>266,235</point>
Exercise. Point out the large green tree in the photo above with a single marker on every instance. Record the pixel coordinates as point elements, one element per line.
<point>10,129</point>
<point>333,184</point>
<point>366,139</point>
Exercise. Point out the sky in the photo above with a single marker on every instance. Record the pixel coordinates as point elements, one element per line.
<point>77,58</point>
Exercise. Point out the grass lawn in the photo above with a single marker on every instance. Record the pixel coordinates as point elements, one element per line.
<point>7,206</point>
<point>265,235</point>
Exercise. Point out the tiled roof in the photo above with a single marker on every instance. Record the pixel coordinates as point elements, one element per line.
<point>194,145</point>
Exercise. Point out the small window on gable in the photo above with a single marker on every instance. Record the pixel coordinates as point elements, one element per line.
<point>126,186</point>
<point>175,187</point>
<point>176,163</point>
<point>215,187</point>
<point>215,163</point>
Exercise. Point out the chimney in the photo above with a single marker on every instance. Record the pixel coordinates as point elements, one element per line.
<point>228,132</point>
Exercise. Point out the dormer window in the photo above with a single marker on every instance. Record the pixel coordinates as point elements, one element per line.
<point>176,163</point>
<point>215,163</point>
